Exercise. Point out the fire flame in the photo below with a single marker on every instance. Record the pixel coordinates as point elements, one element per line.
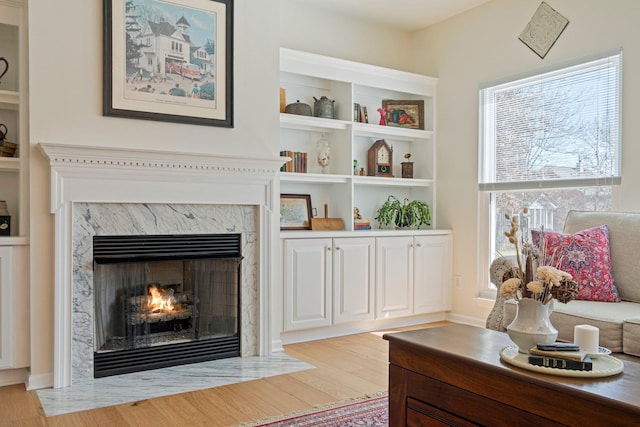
<point>160,300</point>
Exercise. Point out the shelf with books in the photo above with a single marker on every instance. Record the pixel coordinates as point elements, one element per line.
<point>356,87</point>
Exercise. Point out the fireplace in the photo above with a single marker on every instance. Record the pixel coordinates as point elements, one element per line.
<point>101,191</point>
<point>165,300</point>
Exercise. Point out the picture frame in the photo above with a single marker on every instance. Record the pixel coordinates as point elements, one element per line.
<point>295,212</point>
<point>543,30</point>
<point>169,61</point>
<point>404,113</point>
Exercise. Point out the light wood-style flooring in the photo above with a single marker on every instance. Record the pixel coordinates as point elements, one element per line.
<point>346,368</point>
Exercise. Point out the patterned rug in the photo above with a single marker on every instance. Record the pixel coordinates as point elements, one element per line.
<point>368,412</point>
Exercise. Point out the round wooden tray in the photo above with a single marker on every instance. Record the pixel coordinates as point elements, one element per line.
<point>603,366</point>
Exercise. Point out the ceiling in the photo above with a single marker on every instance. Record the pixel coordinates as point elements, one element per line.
<point>407,15</point>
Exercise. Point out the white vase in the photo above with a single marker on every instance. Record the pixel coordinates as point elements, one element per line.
<point>531,325</point>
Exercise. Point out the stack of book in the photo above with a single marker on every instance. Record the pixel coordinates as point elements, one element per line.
<point>298,162</point>
<point>361,224</point>
<point>7,149</point>
<point>360,114</point>
<point>560,356</point>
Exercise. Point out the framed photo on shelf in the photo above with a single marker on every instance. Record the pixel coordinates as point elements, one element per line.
<point>170,61</point>
<point>295,212</point>
<point>407,114</point>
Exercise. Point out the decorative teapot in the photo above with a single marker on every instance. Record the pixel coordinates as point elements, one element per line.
<point>323,107</point>
<point>6,66</point>
<point>3,131</point>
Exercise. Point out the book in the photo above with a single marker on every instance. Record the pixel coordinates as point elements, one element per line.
<point>568,355</point>
<point>556,362</point>
<point>298,162</point>
<point>361,227</point>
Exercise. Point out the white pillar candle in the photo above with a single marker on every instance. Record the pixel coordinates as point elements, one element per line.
<point>587,337</point>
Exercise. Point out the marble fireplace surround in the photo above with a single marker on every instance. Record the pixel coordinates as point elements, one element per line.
<point>98,190</point>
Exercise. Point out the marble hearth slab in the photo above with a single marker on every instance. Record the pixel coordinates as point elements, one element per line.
<point>126,388</point>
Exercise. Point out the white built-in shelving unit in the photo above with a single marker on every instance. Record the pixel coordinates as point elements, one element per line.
<point>341,281</point>
<point>306,76</point>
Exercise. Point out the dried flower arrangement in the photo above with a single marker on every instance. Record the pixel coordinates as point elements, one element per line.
<point>548,283</point>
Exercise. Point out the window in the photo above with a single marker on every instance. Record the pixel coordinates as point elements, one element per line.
<point>550,142</point>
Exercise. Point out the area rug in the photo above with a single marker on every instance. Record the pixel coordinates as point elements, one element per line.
<point>366,412</point>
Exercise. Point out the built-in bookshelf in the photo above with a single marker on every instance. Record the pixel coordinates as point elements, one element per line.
<point>358,91</point>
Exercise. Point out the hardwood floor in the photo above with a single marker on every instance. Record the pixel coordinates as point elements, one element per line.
<point>346,367</point>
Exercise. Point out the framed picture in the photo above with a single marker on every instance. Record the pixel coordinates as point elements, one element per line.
<point>407,114</point>
<point>295,212</point>
<point>170,61</point>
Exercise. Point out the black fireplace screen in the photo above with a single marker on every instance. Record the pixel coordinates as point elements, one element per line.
<point>165,300</point>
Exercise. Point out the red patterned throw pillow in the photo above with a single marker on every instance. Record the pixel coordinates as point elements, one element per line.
<point>586,256</point>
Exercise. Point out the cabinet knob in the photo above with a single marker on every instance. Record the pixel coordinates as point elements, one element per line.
<point>338,248</point>
<point>328,249</point>
<point>418,245</point>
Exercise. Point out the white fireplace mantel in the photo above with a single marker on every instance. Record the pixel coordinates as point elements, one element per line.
<point>87,174</point>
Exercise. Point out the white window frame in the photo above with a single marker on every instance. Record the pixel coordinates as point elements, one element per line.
<point>485,234</point>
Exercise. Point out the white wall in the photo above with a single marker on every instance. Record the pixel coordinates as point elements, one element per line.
<point>65,83</point>
<point>481,46</point>
<point>312,29</point>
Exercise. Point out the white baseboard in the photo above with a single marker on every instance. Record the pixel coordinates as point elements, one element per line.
<point>293,337</point>
<point>36,382</point>
<point>468,320</point>
<point>276,346</point>
<point>13,376</point>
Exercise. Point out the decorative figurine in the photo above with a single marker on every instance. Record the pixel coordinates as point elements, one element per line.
<point>383,116</point>
<point>322,154</point>
<point>356,213</point>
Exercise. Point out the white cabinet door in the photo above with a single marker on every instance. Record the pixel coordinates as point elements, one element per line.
<point>432,274</point>
<point>307,283</point>
<point>14,307</point>
<point>394,276</point>
<point>353,279</point>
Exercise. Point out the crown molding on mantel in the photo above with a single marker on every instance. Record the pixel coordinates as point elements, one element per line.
<point>60,154</point>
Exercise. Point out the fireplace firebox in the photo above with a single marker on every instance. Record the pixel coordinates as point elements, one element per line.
<point>165,300</point>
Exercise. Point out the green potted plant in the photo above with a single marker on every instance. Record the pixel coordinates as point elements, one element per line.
<point>405,214</point>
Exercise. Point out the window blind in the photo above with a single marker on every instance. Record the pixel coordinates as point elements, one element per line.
<point>556,129</point>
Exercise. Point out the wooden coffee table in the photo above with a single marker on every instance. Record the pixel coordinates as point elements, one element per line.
<point>453,375</point>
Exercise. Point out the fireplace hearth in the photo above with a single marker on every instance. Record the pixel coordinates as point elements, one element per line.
<point>165,300</point>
